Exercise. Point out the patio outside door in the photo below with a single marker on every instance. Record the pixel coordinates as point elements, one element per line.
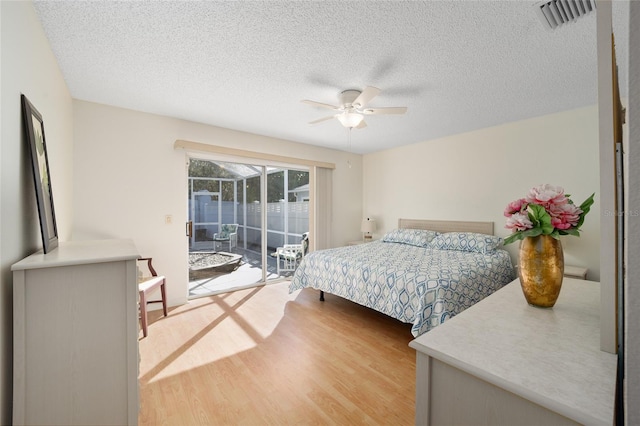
<point>267,206</point>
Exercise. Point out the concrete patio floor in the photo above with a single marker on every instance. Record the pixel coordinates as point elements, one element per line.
<point>247,274</point>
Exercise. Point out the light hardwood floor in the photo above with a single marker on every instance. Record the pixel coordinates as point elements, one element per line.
<point>262,356</point>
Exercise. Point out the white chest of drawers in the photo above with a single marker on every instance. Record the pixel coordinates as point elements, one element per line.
<point>76,335</point>
<point>503,362</point>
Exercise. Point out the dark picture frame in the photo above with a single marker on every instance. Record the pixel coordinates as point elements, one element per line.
<point>34,131</point>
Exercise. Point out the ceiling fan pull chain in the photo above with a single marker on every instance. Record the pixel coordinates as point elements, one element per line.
<point>349,161</point>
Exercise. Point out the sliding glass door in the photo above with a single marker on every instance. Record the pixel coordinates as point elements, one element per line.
<point>240,214</point>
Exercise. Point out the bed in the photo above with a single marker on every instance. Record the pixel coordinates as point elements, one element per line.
<point>422,273</point>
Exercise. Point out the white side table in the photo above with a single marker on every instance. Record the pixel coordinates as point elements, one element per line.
<point>575,272</point>
<point>570,271</point>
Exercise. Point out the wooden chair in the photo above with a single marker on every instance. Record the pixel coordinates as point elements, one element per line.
<point>146,285</point>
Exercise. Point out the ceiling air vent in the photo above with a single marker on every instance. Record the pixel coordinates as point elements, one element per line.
<point>555,13</point>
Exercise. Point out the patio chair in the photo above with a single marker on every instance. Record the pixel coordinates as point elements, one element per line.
<point>146,285</point>
<point>228,234</point>
<point>289,256</point>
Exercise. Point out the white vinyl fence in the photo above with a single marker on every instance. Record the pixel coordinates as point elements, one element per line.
<point>286,222</point>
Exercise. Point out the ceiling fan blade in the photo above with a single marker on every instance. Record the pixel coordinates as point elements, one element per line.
<point>320,104</point>
<point>387,110</point>
<point>320,120</point>
<point>365,97</point>
<point>362,125</point>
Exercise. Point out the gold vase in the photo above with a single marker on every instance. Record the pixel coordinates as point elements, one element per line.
<point>541,267</point>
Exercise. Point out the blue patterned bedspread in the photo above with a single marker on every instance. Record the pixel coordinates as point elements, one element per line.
<point>421,286</point>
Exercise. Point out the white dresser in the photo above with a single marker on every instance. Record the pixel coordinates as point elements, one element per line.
<point>76,335</point>
<point>503,362</point>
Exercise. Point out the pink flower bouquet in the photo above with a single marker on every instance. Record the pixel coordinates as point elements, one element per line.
<point>546,210</point>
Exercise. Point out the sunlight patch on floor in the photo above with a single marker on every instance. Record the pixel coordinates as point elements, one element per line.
<point>228,317</point>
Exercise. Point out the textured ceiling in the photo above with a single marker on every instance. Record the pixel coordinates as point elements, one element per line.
<point>457,65</point>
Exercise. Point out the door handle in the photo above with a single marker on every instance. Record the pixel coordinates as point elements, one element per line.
<point>189,229</point>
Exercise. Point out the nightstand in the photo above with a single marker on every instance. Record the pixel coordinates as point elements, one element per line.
<point>571,271</point>
<point>575,272</point>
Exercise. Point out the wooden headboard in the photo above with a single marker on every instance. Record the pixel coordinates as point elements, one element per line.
<point>447,225</point>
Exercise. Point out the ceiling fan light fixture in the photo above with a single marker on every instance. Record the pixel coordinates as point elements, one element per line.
<point>350,119</point>
<point>352,107</point>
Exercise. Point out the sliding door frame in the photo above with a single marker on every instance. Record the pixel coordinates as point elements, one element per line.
<point>319,186</point>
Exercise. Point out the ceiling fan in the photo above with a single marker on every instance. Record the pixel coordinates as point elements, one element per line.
<point>352,108</point>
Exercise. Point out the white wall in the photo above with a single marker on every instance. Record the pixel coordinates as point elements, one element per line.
<point>27,66</point>
<point>128,177</point>
<point>472,176</point>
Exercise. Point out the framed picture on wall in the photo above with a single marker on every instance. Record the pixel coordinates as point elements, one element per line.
<point>34,131</point>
